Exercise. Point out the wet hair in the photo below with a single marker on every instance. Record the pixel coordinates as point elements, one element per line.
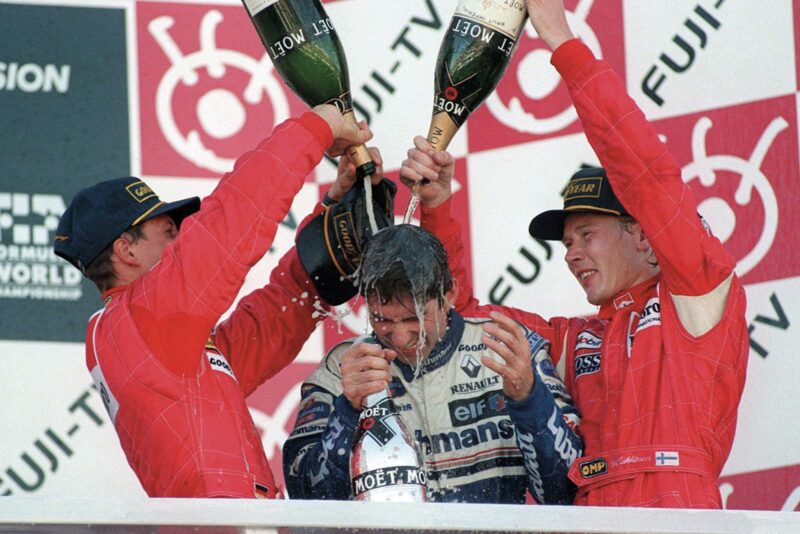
<point>405,260</point>
<point>101,270</point>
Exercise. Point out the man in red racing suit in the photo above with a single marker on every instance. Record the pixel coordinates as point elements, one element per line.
<point>173,384</point>
<point>658,374</point>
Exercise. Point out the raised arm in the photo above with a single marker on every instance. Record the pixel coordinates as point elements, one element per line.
<point>178,302</point>
<point>645,176</point>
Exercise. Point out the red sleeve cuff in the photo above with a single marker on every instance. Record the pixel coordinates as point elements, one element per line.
<point>432,217</point>
<point>570,57</point>
<point>318,128</point>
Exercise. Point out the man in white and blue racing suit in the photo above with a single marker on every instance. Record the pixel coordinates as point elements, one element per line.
<point>481,396</point>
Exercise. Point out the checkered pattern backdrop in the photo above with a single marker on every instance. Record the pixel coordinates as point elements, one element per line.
<point>194,90</point>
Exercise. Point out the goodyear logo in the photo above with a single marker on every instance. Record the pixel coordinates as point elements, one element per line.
<point>140,191</point>
<point>594,468</point>
<point>584,188</point>
<point>348,241</point>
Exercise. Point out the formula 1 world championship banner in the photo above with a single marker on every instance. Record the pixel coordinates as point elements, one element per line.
<point>174,91</point>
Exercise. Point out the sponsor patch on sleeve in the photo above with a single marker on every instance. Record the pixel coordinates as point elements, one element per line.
<point>535,342</point>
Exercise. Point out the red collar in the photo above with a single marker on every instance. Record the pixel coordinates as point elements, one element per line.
<point>634,296</point>
<point>111,293</point>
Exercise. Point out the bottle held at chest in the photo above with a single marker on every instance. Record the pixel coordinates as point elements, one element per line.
<point>385,463</point>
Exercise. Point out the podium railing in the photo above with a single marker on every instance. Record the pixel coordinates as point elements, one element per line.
<point>25,514</point>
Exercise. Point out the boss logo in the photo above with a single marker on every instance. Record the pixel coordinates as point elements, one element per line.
<point>587,364</point>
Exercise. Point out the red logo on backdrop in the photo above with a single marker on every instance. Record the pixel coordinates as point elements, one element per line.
<point>742,165</point>
<point>208,91</point>
<point>757,490</point>
<point>531,102</point>
<point>355,320</point>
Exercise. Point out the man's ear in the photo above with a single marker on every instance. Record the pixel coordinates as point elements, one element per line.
<point>642,243</point>
<point>450,296</point>
<point>124,252</point>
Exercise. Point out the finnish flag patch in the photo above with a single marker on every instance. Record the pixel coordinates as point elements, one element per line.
<point>667,458</point>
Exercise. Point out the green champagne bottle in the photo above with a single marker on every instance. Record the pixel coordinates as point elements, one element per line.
<point>473,56</point>
<point>305,49</point>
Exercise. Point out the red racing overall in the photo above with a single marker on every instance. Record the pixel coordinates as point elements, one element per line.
<point>177,396</point>
<point>658,374</point>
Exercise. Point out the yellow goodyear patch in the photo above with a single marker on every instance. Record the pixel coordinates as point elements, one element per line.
<point>593,468</point>
<point>140,191</point>
<point>347,239</point>
<point>584,188</point>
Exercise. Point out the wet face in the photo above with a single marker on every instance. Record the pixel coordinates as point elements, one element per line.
<point>398,327</point>
<point>157,233</point>
<point>605,256</point>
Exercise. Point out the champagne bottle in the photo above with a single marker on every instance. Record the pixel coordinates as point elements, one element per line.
<point>473,56</point>
<point>305,49</point>
<point>385,463</point>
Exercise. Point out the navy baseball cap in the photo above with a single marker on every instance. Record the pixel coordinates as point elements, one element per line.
<point>99,214</point>
<point>588,191</point>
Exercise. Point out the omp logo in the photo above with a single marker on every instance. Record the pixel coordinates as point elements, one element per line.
<point>586,364</point>
<point>33,78</point>
<point>468,411</point>
<point>593,468</point>
<point>140,191</point>
<point>754,188</point>
<point>28,267</point>
<point>210,101</point>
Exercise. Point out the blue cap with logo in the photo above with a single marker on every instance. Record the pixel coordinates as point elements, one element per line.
<point>588,191</point>
<point>99,214</point>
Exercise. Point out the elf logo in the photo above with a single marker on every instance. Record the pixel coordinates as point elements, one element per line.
<point>468,411</point>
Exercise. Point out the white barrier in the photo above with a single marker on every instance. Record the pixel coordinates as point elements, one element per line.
<point>211,515</point>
